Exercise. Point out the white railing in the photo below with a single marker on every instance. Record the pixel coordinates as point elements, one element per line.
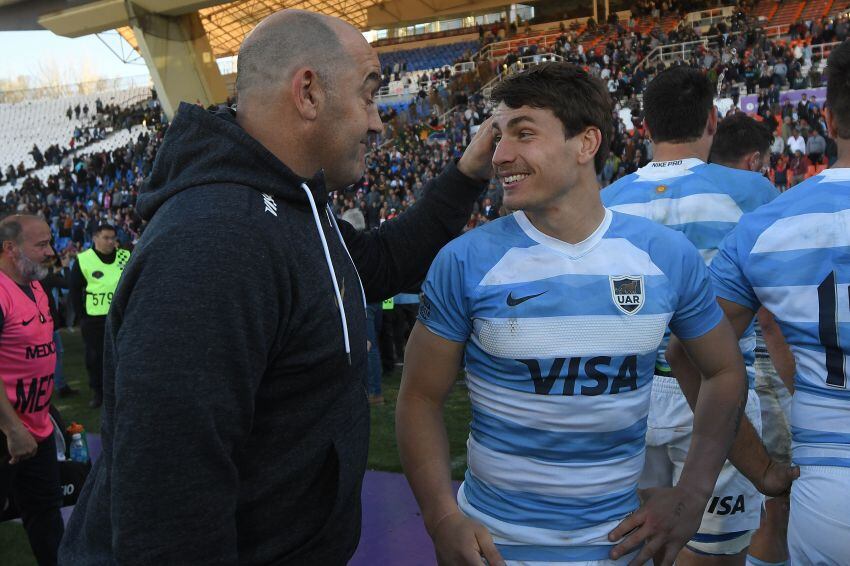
<point>674,51</point>
<point>542,40</point>
<point>398,88</point>
<point>465,67</point>
<point>823,49</point>
<point>775,31</point>
<point>678,51</point>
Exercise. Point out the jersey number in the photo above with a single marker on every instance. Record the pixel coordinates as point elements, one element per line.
<point>828,331</point>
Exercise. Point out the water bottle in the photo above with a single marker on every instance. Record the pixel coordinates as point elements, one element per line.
<point>79,451</point>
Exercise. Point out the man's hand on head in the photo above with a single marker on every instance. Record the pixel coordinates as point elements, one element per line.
<point>477,160</point>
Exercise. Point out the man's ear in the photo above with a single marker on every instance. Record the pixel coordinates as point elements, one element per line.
<point>307,92</point>
<point>591,142</point>
<point>753,160</point>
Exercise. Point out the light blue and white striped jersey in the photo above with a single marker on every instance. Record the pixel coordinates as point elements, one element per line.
<point>560,349</point>
<point>793,257</point>
<point>703,201</point>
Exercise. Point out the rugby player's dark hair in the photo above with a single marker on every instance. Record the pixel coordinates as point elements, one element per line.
<point>676,105</point>
<point>571,93</point>
<point>737,135</point>
<point>838,88</point>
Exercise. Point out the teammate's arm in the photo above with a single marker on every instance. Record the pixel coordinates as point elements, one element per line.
<point>747,453</point>
<point>670,516</point>
<point>780,353</point>
<point>431,366</point>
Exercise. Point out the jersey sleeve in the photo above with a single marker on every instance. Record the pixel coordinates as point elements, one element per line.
<point>727,276</point>
<point>444,305</point>
<point>697,311</point>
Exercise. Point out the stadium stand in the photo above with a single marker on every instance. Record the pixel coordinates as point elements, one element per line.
<point>422,135</point>
<point>425,57</point>
<point>43,121</point>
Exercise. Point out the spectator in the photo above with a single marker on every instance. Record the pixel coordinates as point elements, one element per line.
<point>29,471</point>
<point>815,146</point>
<point>796,142</point>
<point>778,145</point>
<point>798,167</point>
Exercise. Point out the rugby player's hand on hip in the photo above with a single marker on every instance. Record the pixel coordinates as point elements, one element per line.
<point>777,479</point>
<point>460,541</point>
<point>665,522</point>
<point>21,444</point>
<point>477,160</point>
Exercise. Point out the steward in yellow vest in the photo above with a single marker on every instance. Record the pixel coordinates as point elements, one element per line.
<point>92,283</point>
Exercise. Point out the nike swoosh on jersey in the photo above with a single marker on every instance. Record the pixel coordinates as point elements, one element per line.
<point>26,322</point>
<point>512,302</point>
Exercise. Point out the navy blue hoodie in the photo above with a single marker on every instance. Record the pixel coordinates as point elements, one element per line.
<point>235,421</point>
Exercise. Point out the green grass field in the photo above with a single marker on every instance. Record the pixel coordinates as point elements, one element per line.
<point>383,452</point>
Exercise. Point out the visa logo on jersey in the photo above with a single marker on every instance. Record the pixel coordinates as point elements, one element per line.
<point>724,506</point>
<point>597,382</point>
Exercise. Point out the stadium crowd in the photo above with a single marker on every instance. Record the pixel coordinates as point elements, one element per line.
<point>92,188</point>
<point>92,127</point>
<point>422,138</point>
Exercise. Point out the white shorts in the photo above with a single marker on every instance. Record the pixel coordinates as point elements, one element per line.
<point>819,525</point>
<point>733,511</point>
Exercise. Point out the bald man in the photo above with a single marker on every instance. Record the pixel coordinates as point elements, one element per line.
<point>29,472</point>
<point>235,418</point>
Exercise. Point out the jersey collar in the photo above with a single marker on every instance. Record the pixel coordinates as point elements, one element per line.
<point>572,250</point>
<point>667,169</point>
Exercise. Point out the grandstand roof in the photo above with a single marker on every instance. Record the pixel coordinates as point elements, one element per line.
<point>227,24</point>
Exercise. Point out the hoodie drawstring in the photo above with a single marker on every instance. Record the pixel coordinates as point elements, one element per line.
<point>341,241</point>
<point>318,222</point>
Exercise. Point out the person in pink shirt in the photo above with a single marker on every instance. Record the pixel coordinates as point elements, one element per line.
<point>29,471</point>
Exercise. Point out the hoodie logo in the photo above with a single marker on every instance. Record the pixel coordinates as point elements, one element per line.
<point>271,205</point>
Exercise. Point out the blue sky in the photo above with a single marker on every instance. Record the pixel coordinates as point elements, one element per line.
<point>42,53</point>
